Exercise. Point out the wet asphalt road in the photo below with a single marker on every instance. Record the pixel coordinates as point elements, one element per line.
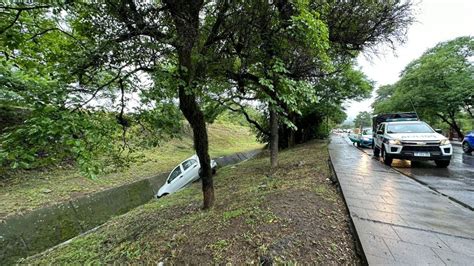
<point>455,182</point>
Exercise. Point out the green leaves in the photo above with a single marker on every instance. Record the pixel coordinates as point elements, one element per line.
<point>312,32</point>
<point>439,84</point>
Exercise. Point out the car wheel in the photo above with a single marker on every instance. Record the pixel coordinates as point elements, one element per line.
<point>164,194</point>
<point>386,158</point>
<point>442,163</point>
<point>358,144</point>
<point>466,148</point>
<point>376,151</point>
<point>214,171</point>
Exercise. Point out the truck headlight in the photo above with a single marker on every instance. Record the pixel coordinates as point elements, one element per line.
<point>445,142</point>
<point>394,142</point>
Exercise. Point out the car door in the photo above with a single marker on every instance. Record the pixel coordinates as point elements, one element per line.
<point>191,170</point>
<point>175,180</point>
<point>379,137</point>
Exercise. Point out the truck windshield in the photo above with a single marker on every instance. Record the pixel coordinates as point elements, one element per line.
<point>409,128</point>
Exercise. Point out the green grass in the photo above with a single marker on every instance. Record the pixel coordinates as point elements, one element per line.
<point>32,189</point>
<point>291,214</point>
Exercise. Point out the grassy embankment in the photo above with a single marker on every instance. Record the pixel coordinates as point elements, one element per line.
<point>32,189</point>
<point>292,215</point>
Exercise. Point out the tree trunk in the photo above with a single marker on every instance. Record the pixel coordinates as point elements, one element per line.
<point>195,117</point>
<point>185,15</point>
<point>453,124</point>
<point>456,128</point>
<point>291,133</point>
<point>273,137</point>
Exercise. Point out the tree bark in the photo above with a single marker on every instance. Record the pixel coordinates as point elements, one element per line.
<point>185,15</point>
<point>291,133</point>
<point>456,128</point>
<point>273,137</point>
<point>453,124</point>
<point>195,117</point>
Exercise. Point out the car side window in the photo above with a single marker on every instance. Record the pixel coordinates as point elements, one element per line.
<point>188,164</point>
<point>176,172</point>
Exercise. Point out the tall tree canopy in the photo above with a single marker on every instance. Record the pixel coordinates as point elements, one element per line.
<point>363,119</point>
<point>439,84</point>
<point>74,65</point>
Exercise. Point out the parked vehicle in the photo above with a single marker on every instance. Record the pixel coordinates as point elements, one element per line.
<point>365,138</point>
<point>353,138</point>
<point>185,173</point>
<point>468,142</point>
<point>403,136</point>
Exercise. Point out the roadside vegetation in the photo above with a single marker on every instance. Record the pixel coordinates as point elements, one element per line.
<point>293,214</point>
<point>89,76</point>
<point>24,190</point>
<point>438,86</point>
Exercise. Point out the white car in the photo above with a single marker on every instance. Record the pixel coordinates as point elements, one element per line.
<point>411,140</point>
<point>185,173</point>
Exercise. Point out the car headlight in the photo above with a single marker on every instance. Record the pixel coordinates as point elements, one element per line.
<point>445,142</point>
<point>394,142</point>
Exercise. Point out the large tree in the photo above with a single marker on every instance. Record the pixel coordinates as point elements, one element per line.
<point>439,85</point>
<point>272,52</point>
<point>363,119</point>
<point>322,67</point>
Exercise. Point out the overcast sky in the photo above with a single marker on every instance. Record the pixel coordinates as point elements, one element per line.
<point>437,21</point>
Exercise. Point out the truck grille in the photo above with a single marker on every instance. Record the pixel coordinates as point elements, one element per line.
<point>420,148</point>
<point>416,143</point>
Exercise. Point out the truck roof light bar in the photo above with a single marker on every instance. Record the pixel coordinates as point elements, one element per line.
<point>401,119</point>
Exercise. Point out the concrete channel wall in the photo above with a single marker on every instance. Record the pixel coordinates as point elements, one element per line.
<point>27,234</point>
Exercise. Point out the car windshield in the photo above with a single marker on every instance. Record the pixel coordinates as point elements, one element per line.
<point>409,128</point>
<point>367,131</point>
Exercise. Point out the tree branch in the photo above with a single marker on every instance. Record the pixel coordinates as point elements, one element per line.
<point>56,29</point>
<point>23,8</point>
<point>13,22</point>
<point>246,115</point>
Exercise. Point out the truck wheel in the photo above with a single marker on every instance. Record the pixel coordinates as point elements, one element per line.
<point>386,158</point>
<point>376,151</point>
<point>466,148</point>
<point>442,163</point>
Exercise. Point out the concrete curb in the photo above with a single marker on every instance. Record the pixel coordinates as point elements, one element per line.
<point>38,230</point>
<point>358,245</point>
<point>393,214</point>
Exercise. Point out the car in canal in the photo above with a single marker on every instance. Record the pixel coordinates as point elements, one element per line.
<point>468,142</point>
<point>182,175</point>
<point>409,138</point>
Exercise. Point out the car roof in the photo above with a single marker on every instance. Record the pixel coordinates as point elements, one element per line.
<point>195,157</point>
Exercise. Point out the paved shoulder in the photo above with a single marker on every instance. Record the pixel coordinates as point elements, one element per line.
<point>399,221</point>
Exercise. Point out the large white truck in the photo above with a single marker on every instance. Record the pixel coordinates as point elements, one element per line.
<point>404,136</point>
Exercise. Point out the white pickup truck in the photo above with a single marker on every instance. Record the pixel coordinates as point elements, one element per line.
<point>410,139</point>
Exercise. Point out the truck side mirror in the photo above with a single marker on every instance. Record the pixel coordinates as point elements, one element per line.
<point>379,132</point>
<point>439,131</point>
